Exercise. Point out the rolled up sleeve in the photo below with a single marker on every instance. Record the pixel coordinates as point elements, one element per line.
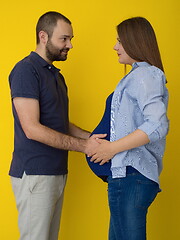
<point>152,99</point>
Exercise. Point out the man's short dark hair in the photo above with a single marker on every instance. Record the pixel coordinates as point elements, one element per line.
<point>47,22</point>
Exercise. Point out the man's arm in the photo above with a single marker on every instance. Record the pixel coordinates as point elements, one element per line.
<point>28,112</point>
<point>78,132</point>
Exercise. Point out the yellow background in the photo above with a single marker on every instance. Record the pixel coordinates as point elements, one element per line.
<point>92,72</point>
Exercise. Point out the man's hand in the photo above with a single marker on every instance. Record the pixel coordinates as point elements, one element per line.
<point>92,144</point>
<point>104,152</point>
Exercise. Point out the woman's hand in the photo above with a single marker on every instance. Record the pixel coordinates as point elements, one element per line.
<point>92,144</point>
<point>104,152</point>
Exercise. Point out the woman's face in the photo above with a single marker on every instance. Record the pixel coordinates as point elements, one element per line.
<point>124,58</point>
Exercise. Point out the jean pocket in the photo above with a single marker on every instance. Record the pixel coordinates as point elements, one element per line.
<point>146,192</point>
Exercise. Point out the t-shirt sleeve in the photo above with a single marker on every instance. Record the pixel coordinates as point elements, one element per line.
<point>24,81</point>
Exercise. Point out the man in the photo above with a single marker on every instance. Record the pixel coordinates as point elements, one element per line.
<point>43,133</point>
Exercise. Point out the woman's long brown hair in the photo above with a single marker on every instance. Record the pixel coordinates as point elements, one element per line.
<point>139,41</point>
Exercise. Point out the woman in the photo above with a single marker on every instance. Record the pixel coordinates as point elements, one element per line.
<point>138,129</point>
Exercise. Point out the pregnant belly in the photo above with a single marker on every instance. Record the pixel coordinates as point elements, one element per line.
<point>103,127</point>
<point>100,170</point>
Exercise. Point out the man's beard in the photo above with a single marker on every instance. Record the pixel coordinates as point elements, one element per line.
<point>55,54</point>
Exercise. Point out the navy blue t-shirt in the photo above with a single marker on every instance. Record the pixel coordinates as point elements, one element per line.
<point>104,170</point>
<point>34,78</point>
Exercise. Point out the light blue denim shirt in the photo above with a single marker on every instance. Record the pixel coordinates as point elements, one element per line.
<point>140,102</point>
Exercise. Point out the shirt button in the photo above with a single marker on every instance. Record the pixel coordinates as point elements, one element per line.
<point>49,67</point>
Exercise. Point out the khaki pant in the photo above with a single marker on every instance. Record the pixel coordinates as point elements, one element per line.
<point>39,201</point>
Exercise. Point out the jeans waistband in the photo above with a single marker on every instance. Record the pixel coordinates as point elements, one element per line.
<point>129,170</point>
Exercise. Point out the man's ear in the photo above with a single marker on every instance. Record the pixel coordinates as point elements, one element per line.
<point>43,37</point>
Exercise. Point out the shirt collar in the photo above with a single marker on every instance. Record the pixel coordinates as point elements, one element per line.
<point>140,64</point>
<point>43,63</point>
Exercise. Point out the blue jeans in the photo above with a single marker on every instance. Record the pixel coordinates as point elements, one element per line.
<point>129,199</point>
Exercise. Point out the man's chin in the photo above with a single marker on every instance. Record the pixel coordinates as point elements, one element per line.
<point>58,58</point>
<point>61,58</point>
